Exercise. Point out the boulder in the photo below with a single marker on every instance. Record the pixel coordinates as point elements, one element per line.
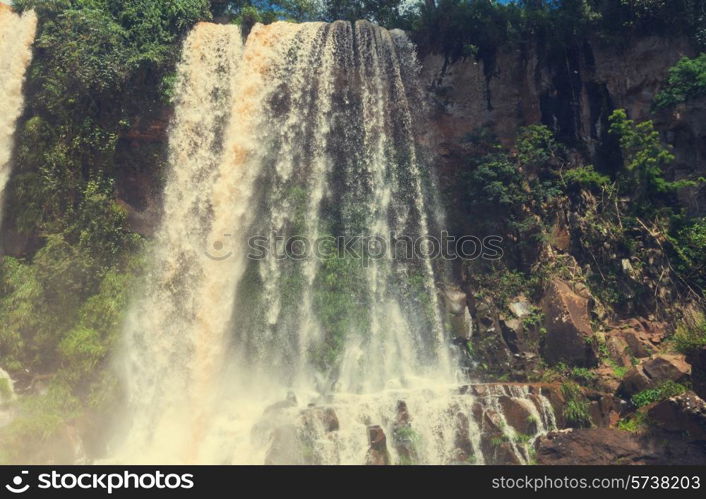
<point>512,332</point>
<point>652,372</point>
<point>555,396</point>
<point>638,342</point>
<point>559,237</point>
<point>667,368</point>
<point>684,414</point>
<point>520,307</point>
<point>606,446</point>
<point>697,358</point>
<point>488,341</point>
<point>619,351</point>
<point>642,336</point>
<point>568,326</point>
<point>503,455</point>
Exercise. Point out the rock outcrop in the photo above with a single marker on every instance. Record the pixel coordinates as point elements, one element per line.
<point>568,325</point>
<point>683,415</point>
<point>605,446</point>
<point>697,359</point>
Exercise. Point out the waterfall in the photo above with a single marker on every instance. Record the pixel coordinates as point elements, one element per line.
<point>16,36</point>
<point>301,138</point>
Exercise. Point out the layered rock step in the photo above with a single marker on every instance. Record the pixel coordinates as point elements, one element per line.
<point>496,423</point>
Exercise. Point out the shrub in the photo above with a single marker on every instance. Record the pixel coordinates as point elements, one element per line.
<point>664,391</point>
<point>585,177</point>
<point>688,243</point>
<point>634,424</point>
<point>690,336</point>
<point>645,159</point>
<point>576,408</point>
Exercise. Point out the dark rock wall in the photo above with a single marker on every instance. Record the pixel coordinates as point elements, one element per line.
<point>572,91</point>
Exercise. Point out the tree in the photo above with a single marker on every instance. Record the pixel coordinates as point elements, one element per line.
<point>686,81</point>
<point>645,159</point>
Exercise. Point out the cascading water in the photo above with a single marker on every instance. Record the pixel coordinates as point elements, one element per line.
<point>16,37</point>
<point>303,139</point>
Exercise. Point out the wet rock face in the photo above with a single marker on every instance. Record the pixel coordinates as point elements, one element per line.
<point>463,453</point>
<point>519,415</point>
<point>505,340</point>
<point>377,453</point>
<point>455,303</point>
<point>604,446</point>
<point>291,433</point>
<point>403,435</point>
<point>568,326</point>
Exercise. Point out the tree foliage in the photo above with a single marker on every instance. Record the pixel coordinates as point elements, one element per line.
<point>686,81</point>
<point>645,162</point>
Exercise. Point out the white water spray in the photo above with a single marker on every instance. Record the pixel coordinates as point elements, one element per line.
<point>16,37</point>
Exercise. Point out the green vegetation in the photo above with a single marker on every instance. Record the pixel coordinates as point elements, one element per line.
<point>341,305</point>
<point>686,81</point>
<point>645,160</point>
<point>690,336</point>
<point>99,66</point>
<point>619,371</point>
<point>389,13</point>
<point>511,192</point>
<point>5,390</point>
<point>664,391</point>
<point>576,408</point>
<point>635,423</point>
<point>479,28</point>
<point>688,243</point>
<point>585,177</point>
<point>499,179</point>
<point>583,375</point>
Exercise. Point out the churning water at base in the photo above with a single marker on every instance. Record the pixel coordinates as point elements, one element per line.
<point>16,36</point>
<point>234,354</point>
